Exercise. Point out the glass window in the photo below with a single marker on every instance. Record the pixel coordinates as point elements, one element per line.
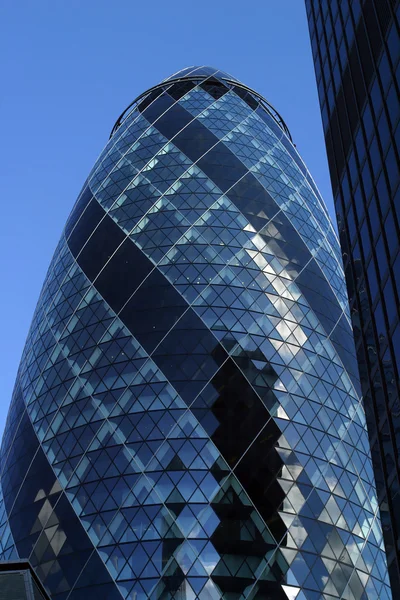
<point>321,89</point>
<point>356,9</point>
<point>360,145</point>
<point>393,42</point>
<point>349,32</point>
<point>365,240</point>
<point>320,29</point>
<point>374,217</point>
<point>393,104</point>
<point>392,168</point>
<point>385,71</point>
<point>337,76</point>
<point>314,46</point>
<point>356,252</point>
<point>367,181</point>
<point>368,123</point>
<point>344,6</point>
<point>345,188</point>
<point>328,29</point>
<point>372,280</point>
<point>351,225</point>
<point>396,273</point>
<point>353,169</point>
<point>376,98</point>
<point>382,192</point>
<point>339,211</point>
<point>375,156</point>
<point>380,321</point>
<point>390,302</point>
<point>318,72</point>
<point>383,130</point>
<point>381,257</point>
<point>358,203</point>
<point>391,234</point>
<point>338,29</point>
<point>325,117</point>
<point>396,346</point>
<point>396,204</point>
<point>326,70</point>
<point>343,52</point>
<point>322,49</point>
<point>331,97</point>
<point>332,49</point>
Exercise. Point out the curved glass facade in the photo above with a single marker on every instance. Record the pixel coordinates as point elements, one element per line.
<point>186,422</point>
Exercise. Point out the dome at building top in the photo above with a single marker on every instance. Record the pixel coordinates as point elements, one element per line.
<point>203,76</point>
<point>204,71</point>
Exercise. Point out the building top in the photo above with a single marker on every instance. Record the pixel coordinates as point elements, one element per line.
<point>202,72</point>
<point>195,75</point>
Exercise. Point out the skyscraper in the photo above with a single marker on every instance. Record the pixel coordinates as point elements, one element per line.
<point>187,420</point>
<point>356,49</point>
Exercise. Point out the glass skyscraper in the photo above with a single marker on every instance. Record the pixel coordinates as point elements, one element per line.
<point>187,420</point>
<point>356,49</point>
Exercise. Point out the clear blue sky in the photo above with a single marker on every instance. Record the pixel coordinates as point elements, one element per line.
<point>69,68</point>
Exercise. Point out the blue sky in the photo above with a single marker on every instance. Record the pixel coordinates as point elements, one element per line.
<point>69,68</point>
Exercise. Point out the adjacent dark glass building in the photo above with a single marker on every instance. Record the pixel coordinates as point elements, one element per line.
<point>356,49</point>
<point>18,581</point>
<point>187,420</point>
